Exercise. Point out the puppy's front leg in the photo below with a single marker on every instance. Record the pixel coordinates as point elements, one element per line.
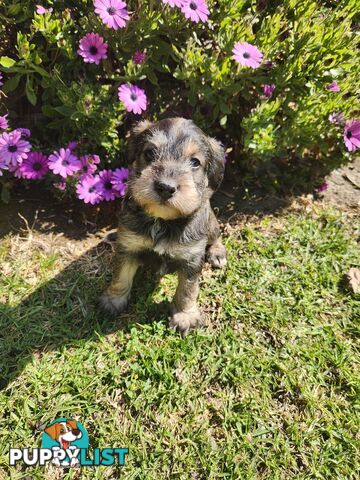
<point>116,297</point>
<point>185,312</point>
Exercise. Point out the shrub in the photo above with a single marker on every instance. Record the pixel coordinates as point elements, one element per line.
<point>295,101</point>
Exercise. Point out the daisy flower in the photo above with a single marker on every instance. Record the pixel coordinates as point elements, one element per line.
<point>88,165</point>
<point>352,135</point>
<point>112,12</point>
<point>13,150</point>
<point>25,132</point>
<point>196,10</point>
<point>104,187</point>
<point>268,90</point>
<point>322,187</point>
<point>333,87</point>
<point>60,185</point>
<point>336,118</point>
<point>173,3</point>
<point>64,163</point>
<point>34,167</point>
<point>40,10</point>
<point>72,145</point>
<point>118,179</point>
<point>247,55</point>
<point>133,98</point>
<point>138,57</point>
<point>4,122</point>
<point>92,48</point>
<point>86,190</point>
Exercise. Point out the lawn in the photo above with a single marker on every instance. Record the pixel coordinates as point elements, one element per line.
<point>267,389</point>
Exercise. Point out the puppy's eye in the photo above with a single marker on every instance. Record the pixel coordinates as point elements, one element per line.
<point>149,154</point>
<point>195,162</point>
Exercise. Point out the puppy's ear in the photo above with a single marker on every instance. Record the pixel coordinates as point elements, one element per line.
<point>53,431</point>
<point>133,140</point>
<point>216,166</point>
<point>71,423</point>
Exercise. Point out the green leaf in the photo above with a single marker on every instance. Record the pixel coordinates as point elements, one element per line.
<point>12,84</point>
<point>49,111</point>
<point>29,90</point>
<point>65,110</point>
<point>7,62</point>
<point>223,120</point>
<point>151,76</point>
<point>40,70</point>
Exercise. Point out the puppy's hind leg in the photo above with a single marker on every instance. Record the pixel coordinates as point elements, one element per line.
<point>116,297</point>
<point>216,252</point>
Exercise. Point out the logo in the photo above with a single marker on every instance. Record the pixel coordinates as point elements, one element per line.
<point>65,442</point>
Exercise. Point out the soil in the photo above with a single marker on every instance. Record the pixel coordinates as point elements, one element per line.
<point>343,186</point>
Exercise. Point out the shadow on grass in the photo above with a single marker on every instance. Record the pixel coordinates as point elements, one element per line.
<point>267,190</point>
<point>64,311</point>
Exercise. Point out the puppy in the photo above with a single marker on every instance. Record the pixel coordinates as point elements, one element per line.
<point>167,218</point>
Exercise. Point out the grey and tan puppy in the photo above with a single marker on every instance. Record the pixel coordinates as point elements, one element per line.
<point>167,217</point>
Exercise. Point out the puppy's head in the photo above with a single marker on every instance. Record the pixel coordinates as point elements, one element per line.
<point>175,167</point>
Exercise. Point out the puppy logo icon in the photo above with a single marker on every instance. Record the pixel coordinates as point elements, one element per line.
<point>68,435</point>
<point>65,443</point>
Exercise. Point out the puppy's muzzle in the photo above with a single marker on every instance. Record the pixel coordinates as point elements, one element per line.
<point>165,189</point>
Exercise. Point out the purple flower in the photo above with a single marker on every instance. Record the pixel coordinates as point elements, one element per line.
<point>138,57</point>
<point>88,165</point>
<point>1,80</point>
<point>196,10</point>
<point>40,10</point>
<point>133,97</point>
<point>112,12</point>
<point>92,48</point>
<point>64,163</point>
<point>352,135</point>
<point>94,159</point>
<point>333,87</point>
<point>3,166</point>
<point>322,187</point>
<point>60,185</point>
<point>247,55</point>
<point>336,118</point>
<point>269,64</point>
<point>72,145</point>
<point>34,167</point>
<point>173,3</point>
<point>25,132</point>
<point>118,179</point>
<point>104,187</point>
<point>4,122</point>
<point>15,170</point>
<point>268,90</point>
<point>13,150</point>
<point>86,190</point>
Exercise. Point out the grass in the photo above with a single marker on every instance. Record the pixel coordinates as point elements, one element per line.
<point>268,389</point>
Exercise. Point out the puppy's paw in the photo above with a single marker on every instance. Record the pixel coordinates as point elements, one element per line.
<point>216,255</point>
<point>112,303</point>
<point>183,322</point>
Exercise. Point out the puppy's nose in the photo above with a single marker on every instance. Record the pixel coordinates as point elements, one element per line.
<point>165,190</point>
<point>75,431</point>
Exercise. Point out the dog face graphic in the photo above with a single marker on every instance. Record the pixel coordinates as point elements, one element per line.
<point>64,433</point>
